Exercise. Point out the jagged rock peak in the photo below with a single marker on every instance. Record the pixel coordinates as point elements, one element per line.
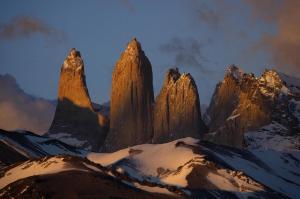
<point>271,78</point>
<point>73,60</point>
<point>172,75</point>
<point>177,111</point>
<point>133,48</point>
<point>234,71</point>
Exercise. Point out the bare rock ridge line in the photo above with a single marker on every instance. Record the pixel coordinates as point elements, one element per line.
<point>131,100</point>
<point>177,109</point>
<point>242,102</point>
<point>74,115</point>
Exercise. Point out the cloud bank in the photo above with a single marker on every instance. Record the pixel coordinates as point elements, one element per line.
<point>20,111</point>
<point>284,45</point>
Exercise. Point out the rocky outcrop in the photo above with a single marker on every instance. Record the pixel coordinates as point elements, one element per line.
<point>177,109</point>
<point>75,121</point>
<point>131,100</point>
<point>243,103</point>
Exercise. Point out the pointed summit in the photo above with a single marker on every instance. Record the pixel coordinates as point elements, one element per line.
<point>177,109</point>
<point>131,100</point>
<point>75,117</point>
<point>133,49</point>
<point>234,72</point>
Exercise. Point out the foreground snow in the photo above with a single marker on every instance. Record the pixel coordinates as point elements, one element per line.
<point>174,163</point>
<point>32,168</point>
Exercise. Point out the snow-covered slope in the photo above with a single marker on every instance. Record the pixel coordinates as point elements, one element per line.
<point>31,145</point>
<point>193,166</point>
<point>69,176</point>
<point>186,168</point>
<point>272,137</point>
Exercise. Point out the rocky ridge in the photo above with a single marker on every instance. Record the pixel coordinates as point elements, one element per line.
<point>243,103</point>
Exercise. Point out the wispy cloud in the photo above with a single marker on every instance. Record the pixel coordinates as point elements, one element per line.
<point>187,52</point>
<point>25,26</point>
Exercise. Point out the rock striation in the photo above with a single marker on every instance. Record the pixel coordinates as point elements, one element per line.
<point>75,120</point>
<point>131,100</point>
<point>243,102</point>
<point>177,109</point>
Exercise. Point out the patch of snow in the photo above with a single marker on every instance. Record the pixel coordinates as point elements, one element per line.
<point>235,72</point>
<point>270,168</point>
<point>292,82</point>
<point>151,157</point>
<point>273,136</point>
<point>232,117</point>
<point>92,167</point>
<point>37,167</point>
<point>15,147</point>
<point>68,139</point>
<point>154,189</point>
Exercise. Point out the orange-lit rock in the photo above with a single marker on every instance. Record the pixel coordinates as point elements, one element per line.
<point>131,100</point>
<point>177,109</point>
<point>244,103</point>
<point>74,117</point>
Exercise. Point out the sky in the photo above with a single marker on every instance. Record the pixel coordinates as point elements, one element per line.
<point>201,37</point>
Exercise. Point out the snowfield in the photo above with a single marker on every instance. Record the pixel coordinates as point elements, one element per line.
<point>239,171</point>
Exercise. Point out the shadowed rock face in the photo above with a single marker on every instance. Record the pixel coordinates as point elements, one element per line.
<point>177,109</point>
<point>74,112</point>
<point>131,100</point>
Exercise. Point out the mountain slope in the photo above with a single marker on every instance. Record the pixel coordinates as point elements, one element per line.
<point>18,146</point>
<point>69,177</point>
<point>194,166</point>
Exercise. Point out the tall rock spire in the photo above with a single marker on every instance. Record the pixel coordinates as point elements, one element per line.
<point>131,100</point>
<point>177,109</point>
<point>74,116</point>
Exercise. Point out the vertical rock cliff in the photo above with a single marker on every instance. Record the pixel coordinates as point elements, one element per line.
<point>75,121</point>
<point>243,102</point>
<point>177,109</point>
<point>131,100</point>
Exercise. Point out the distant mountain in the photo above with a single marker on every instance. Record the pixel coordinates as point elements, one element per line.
<point>19,110</point>
<point>19,146</point>
<point>244,103</point>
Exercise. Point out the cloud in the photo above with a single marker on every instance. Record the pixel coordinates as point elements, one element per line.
<point>19,110</point>
<point>205,14</point>
<point>128,5</point>
<point>187,52</point>
<point>25,26</point>
<point>284,44</point>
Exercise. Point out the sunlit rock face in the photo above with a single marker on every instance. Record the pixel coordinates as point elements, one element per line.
<point>177,109</point>
<point>131,100</point>
<point>243,102</point>
<point>75,120</point>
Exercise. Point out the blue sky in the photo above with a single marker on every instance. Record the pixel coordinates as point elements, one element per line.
<point>200,37</point>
